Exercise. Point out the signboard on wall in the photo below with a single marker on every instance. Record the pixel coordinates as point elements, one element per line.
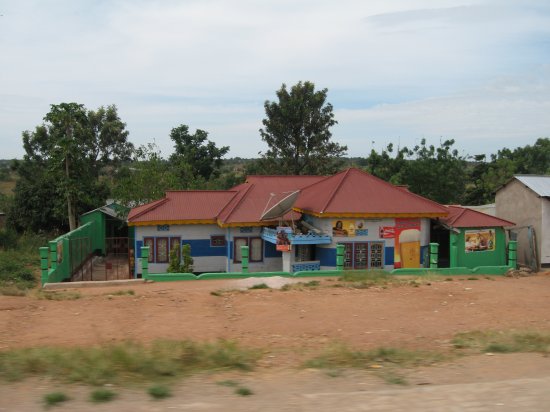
<point>479,240</point>
<point>406,235</point>
<point>349,228</point>
<point>283,242</point>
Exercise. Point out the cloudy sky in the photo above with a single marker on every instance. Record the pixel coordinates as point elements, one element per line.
<point>397,71</point>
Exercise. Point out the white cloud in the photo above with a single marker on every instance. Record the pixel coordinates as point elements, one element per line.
<point>401,65</point>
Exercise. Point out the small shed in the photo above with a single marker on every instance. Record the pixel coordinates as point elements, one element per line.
<point>473,238</point>
<point>111,233</point>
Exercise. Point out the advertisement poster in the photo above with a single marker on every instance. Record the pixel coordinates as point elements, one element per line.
<point>406,235</point>
<point>283,242</point>
<point>479,240</point>
<point>349,227</point>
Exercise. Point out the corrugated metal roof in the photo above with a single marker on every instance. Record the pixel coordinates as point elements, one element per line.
<point>464,217</point>
<point>538,184</point>
<point>355,191</point>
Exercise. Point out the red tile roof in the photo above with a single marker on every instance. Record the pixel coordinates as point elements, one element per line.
<point>463,217</point>
<point>356,192</point>
<point>255,194</point>
<point>185,205</point>
<point>349,192</point>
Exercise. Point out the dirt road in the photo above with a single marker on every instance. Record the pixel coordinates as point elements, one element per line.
<point>292,325</point>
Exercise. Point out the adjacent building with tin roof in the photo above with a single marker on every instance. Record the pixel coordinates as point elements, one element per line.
<point>525,199</point>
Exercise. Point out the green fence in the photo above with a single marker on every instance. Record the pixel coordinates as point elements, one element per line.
<point>66,254</point>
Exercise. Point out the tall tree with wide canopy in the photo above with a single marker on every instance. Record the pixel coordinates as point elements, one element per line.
<point>297,132</point>
<point>195,158</point>
<point>70,148</point>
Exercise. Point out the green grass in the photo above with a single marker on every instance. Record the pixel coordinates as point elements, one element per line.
<point>312,284</point>
<point>384,362</point>
<point>102,395</point>
<point>54,398</point>
<point>230,383</point>
<point>20,264</point>
<point>259,286</point>
<point>128,292</point>
<point>503,341</point>
<point>127,362</point>
<point>244,391</point>
<point>159,392</point>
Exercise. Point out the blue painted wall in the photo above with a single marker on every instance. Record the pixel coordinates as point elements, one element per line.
<point>271,251</point>
<point>389,255</point>
<point>201,247</point>
<point>326,256</point>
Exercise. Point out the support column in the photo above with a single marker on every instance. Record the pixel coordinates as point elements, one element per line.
<point>44,264</point>
<point>144,262</point>
<point>339,257</point>
<point>434,255</point>
<point>244,259</point>
<point>53,254</point>
<point>513,254</point>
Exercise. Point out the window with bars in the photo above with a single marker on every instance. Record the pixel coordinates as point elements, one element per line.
<point>255,249</point>
<point>363,255</point>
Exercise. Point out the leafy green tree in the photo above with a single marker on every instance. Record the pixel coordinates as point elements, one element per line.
<point>297,132</point>
<point>195,158</point>
<point>145,179</point>
<point>68,151</point>
<point>487,177</point>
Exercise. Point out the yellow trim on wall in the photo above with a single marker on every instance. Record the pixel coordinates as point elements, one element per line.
<point>244,224</point>
<point>369,215</point>
<point>174,222</point>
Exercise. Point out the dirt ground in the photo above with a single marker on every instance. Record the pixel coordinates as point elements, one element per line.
<point>292,325</point>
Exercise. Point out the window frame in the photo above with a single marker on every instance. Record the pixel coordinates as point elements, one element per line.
<point>216,238</point>
<point>157,260</point>
<point>250,239</point>
<point>235,248</point>
<point>152,249</point>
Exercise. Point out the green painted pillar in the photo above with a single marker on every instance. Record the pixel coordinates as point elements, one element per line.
<point>339,257</point>
<point>244,259</point>
<point>53,254</point>
<point>434,255</point>
<point>453,250</point>
<point>513,254</point>
<point>44,251</point>
<point>144,262</point>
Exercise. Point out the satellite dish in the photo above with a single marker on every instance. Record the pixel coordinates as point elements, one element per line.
<point>281,208</point>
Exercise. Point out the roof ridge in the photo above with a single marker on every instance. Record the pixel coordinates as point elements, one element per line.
<point>200,191</point>
<point>331,196</point>
<point>459,215</point>
<point>237,192</point>
<point>154,205</point>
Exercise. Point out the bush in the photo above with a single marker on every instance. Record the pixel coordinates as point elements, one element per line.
<point>54,398</point>
<point>102,395</point>
<point>8,239</point>
<point>159,392</point>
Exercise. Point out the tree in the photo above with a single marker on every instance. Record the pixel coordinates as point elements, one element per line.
<point>196,159</point>
<point>297,132</point>
<point>487,177</point>
<point>145,179</point>
<point>70,150</point>
<point>438,173</point>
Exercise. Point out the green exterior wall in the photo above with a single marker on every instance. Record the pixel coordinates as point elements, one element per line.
<point>459,257</point>
<point>98,233</point>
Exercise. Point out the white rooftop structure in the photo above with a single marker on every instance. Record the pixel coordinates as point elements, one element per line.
<point>539,184</point>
